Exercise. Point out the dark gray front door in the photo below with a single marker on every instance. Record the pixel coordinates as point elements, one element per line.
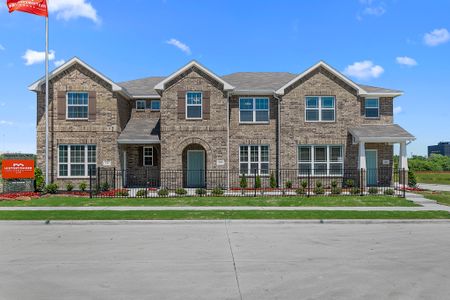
<point>195,168</point>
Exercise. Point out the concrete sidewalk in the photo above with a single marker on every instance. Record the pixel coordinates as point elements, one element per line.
<point>434,187</point>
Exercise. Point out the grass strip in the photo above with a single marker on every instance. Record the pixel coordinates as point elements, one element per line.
<point>218,215</point>
<point>440,197</point>
<point>430,177</point>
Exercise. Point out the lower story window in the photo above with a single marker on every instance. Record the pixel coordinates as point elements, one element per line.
<point>77,160</point>
<point>148,156</point>
<point>254,158</point>
<point>320,160</point>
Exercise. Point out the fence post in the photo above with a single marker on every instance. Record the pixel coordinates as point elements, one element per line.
<point>114,178</point>
<point>361,182</point>
<point>254,181</point>
<point>98,176</point>
<point>404,182</point>
<point>309,183</point>
<point>90,183</point>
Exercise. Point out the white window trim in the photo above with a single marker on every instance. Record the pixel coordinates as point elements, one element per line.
<point>378,107</point>
<point>259,162</point>
<point>86,163</point>
<point>186,105</point>
<point>67,105</point>
<point>151,102</point>
<point>152,156</point>
<point>140,101</point>
<point>328,162</point>
<point>254,110</point>
<point>319,108</point>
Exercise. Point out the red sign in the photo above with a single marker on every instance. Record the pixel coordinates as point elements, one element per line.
<point>18,169</point>
<point>37,7</point>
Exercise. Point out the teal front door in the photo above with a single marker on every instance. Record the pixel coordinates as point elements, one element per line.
<point>371,165</point>
<point>195,168</point>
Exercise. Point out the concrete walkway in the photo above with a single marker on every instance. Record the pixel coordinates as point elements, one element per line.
<point>434,187</point>
<point>425,205</point>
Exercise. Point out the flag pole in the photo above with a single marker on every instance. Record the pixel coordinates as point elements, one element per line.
<point>46,102</point>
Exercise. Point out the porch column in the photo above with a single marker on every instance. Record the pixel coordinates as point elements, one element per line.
<point>124,166</point>
<point>403,164</point>
<point>362,155</point>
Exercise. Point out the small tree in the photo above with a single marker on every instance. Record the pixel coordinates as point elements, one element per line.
<point>258,182</point>
<point>243,183</point>
<point>39,180</point>
<point>412,180</point>
<point>273,181</point>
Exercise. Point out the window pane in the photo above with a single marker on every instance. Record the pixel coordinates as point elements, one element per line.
<point>244,153</point>
<point>155,105</point>
<point>194,111</point>
<point>77,154</point>
<point>246,116</point>
<point>373,103</point>
<point>63,170</point>
<point>77,170</point>
<point>336,153</point>
<point>327,115</point>
<point>264,153</point>
<point>262,116</point>
<point>194,98</point>
<point>92,154</point>
<point>254,168</point>
<point>320,154</point>
<point>304,154</point>
<point>262,103</point>
<point>312,115</point>
<point>246,103</point>
<point>148,151</point>
<point>140,104</point>
<point>63,154</point>
<point>372,112</point>
<point>77,112</point>
<point>254,155</point>
<point>244,168</point>
<point>312,102</point>
<point>304,169</point>
<point>148,161</point>
<point>92,169</point>
<point>327,102</point>
<point>336,169</point>
<point>264,168</point>
<point>320,169</point>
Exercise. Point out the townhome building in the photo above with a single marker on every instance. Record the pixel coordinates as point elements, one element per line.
<point>195,128</point>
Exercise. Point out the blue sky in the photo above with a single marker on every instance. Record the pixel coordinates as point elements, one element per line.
<point>400,44</point>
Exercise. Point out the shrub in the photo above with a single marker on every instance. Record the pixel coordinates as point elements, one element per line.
<point>39,180</point>
<point>180,191</point>
<point>200,191</point>
<point>82,186</point>
<point>141,193</point>
<point>350,183</point>
<point>304,184</point>
<point>355,191</point>
<point>334,184</point>
<point>164,192</point>
<point>51,188</point>
<point>104,187</point>
<point>300,191</point>
<point>412,180</point>
<point>217,191</point>
<point>69,187</point>
<point>288,184</point>
<point>373,190</point>
<point>243,183</point>
<point>258,182</point>
<point>273,181</point>
<point>319,190</point>
<point>122,193</point>
<point>389,192</point>
<point>336,190</point>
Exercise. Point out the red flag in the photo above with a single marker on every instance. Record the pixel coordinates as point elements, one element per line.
<point>37,7</point>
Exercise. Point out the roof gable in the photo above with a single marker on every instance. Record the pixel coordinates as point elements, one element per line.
<point>161,86</point>
<point>75,60</point>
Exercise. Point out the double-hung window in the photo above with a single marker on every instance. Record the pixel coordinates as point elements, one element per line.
<point>140,104</point>
<point>77,105</point>
<point>155,105</point>
<point>320,109</point>
<point>372,107</point>
<point>320,160</point>
<point>254,158</point>
<point>254,110</point>
<point>77,160</point>
<point>148,156</point>
<point>194,102</point>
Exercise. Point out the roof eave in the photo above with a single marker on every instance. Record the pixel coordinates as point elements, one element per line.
<point>137,141</point>
<point>396,94</point>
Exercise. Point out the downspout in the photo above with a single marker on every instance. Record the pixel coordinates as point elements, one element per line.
<point>278,165</point>
<point>228,140</point>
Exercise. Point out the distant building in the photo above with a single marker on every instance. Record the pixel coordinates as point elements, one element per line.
<point>442,148</point>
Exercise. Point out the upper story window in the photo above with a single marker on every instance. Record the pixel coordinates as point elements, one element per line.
<point>320,109</point>
<point>254,158</point>
<point>148,156</point>
<point>77,105</point>
<point>254,110</point>
<point>140,104</point>
<point>320,160</point>
<point>372,107</point>
<point>76,160</point>
<point>155,105</point>
<point>194,105</point>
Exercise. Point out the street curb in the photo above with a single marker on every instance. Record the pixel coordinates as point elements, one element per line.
<point>234,221</point>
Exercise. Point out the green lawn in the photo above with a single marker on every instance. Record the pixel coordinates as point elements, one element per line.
<point>429,177</point>
<point>218,201</point>
<point>218,215</point>
<point>440,197</point>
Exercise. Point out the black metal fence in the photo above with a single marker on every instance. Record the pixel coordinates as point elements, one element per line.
<point>173,183</point>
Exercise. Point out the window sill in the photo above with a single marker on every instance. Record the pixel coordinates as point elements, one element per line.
<point>372,118</point>
<point>320,121</point>
<point>254,123</point>
<point>83,119</point>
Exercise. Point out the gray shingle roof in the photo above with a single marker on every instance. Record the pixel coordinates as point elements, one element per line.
<point>143,86</point>
<point>141,131</point>
<point>381,133</point>
<point>374,89</point>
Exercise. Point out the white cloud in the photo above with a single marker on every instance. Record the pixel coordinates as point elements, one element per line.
<point>407,61</point>
<point>2,104</point>
<point>73,9</point>
<point>364,70</point>
<point>183,47</point>
<point>375,11</point>
<point>397,110</point>
<point>436,37</point>
<point>59,62</point>
<point>2,48</point>
<point>34,57</point>
<point>4,122</point>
